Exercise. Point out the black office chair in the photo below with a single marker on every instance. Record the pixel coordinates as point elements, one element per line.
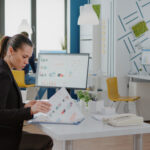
<point>35,142</point>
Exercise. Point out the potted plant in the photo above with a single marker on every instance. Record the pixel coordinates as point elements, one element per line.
<point>84,95</point>
<point>64,44</point>
<point>87,101</point>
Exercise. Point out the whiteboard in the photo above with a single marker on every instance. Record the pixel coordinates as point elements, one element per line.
<point>62,70</point>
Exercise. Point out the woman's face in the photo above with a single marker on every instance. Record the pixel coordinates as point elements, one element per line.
<point>20,58</point>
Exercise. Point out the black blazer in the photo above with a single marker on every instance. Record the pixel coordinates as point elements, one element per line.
<point>12,111</point>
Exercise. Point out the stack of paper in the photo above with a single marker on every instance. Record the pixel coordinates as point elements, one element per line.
<point>63,110</point>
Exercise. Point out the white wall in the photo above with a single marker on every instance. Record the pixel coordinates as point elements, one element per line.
<point>118,41</point>
<point>127,14</point>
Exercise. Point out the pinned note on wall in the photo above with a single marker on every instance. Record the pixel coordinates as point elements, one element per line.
<point>97,10</point>
<point>139,28</point>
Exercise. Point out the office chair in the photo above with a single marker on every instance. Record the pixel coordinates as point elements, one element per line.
<point>112,89</point>
<point>20,79</point>
<point>31,141</point>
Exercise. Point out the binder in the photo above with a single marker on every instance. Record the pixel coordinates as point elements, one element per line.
<point>64,110</point>
<point>59,123</point>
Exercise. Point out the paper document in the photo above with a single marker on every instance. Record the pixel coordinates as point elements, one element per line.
<point>63,110</point>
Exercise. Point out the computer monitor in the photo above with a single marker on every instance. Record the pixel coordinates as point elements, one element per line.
<point>54,51</point>
<point>146,57</point>
<point>62,70</point>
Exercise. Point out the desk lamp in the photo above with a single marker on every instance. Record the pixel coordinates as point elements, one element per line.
<point>24,26</point>
<point>89,14</point>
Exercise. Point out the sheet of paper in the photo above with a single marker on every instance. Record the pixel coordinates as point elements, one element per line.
<point>63,110</point>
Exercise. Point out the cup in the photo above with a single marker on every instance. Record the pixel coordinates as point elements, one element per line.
<point>110,111</point>
<point>92,106</point>
<point>100,105</point>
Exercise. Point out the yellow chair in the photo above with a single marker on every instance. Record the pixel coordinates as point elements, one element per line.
<point>19,76</point>
<point>112,89</point>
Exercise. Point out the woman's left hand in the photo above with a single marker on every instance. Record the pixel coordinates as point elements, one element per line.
<point>30,103</point>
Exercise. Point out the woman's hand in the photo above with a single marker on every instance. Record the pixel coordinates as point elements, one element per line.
<point>30,103</point>
<point>40,106</point>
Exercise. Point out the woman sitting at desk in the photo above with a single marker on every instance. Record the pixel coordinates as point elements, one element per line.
<point>14,53</point>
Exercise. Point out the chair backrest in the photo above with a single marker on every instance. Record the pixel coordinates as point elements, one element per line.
<point>112,88</point>
<point>19,76</point>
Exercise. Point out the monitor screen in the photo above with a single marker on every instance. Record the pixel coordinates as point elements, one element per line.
<point>146,57</point>
<point>62,70</point>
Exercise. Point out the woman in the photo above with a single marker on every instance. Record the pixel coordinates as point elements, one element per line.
<point>30,79</point>
<point>14,53</point>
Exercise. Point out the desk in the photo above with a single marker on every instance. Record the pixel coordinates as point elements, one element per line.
<point>141,77</point>
<point>91,128</point>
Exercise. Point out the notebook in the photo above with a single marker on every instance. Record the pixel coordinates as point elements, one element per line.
<point>64,110</point>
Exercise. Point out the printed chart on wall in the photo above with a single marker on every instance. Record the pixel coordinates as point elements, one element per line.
<point>63,111</point>
<point>62,70</point>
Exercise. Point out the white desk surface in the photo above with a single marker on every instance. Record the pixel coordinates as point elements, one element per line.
<point>143,77</point>
<point>90,128</point>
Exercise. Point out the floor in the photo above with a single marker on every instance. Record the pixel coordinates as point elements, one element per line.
<point>109,143</point>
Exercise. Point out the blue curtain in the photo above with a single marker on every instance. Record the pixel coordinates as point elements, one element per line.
<point>74,29</point>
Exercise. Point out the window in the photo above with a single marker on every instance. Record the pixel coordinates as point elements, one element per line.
<point>50,21</point>
<point>15,12</point>
<point>50,24</point>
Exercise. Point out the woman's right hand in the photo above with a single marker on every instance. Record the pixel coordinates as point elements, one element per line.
<point>40,106</point>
